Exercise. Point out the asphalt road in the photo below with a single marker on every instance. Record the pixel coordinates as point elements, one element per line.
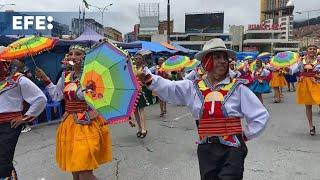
<point>284,151</point>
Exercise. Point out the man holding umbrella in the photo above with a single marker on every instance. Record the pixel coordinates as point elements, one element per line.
<point>218,103</point>
<point>14,89</point>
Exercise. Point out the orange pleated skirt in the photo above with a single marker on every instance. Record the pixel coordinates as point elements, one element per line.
<point>277,80</point>
<point>83,147</point>
<point>308,91</point>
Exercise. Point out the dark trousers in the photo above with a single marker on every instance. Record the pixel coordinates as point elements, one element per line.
<point>8,141</point>
<point>221,162</point>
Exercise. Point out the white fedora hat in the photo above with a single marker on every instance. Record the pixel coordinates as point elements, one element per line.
<point>214,45</point>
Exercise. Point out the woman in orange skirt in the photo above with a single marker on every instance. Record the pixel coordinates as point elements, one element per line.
<point>160,72</point>
<point>83,138</point>
<point>277,81</point>
<point>308,88</point>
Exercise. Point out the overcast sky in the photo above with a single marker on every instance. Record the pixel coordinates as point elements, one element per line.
<point>124,13</point>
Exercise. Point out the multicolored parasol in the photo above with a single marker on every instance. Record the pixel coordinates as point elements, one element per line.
<point>113,88</point>
<point>27,46</point>
<point>264,56</point>
<point>175,63</point>
<point>253,66</point>
<point>240,65</point>
<point>284,59</point>
<point>192,65</point>
<point>248,57</point>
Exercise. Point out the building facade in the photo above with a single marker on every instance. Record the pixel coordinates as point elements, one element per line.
<point>236,33</point>
<point>273,9</point>
<point>163,27</point>
<point>196,41</point>
<point>78,26</point>
<point>113,34</point>
<point>275,31</point>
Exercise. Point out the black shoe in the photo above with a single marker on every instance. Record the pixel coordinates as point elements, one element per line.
<point>313,131</point>
<point>143,135</point>
<point>139,134</point>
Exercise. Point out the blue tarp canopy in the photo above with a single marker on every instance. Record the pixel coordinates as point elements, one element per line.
<point>154,47</point>
<point>241,55</point>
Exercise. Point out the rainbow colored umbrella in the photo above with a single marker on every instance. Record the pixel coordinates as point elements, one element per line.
<point>240,65</point>
<point>192,65</point>
<point>111,87</point>
<point>175,63</point>
<point>248,57</point>
<point>284,59</point>
<point>264,56</point>
<point>253,66</point>
<point>27,46</point>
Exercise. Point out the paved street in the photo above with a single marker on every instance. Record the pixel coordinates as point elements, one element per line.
<point>285,151</point>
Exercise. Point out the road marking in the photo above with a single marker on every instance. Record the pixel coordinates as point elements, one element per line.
<point>180,117</point>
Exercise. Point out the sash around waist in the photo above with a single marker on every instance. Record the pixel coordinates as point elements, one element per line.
<point>8,116</point>
<point>307,74</point>
<point>219,127</point>
<point>76,106</point>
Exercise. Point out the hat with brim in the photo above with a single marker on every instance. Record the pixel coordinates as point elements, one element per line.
<point>214,45</point>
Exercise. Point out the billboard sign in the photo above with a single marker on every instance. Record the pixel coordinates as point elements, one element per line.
<point>204,23</point>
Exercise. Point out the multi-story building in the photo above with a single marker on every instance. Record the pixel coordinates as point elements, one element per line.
<point>59,29</point>
<point>273,9</point>
<point>163,27</point>
<point>263,38</point>
<point>113,34</point>
<point>78,26</point>
<point>132,36</point>
<point>236,33</point>
<point>275,33</point>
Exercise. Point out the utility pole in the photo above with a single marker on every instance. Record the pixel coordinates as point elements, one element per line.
<point>101,9</point>
<point>168,22</point>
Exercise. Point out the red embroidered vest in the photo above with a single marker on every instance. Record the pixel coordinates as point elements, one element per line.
<point>73,105</point>
<point>214,120</point>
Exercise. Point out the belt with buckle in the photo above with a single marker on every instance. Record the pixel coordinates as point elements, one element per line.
<point>212,140</point>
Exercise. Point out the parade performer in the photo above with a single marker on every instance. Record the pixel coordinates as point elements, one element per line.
<point>218,102</point>
<point>291,80</point>
<point>260,85</point>
<point>245,71</point>
<point>141,66</point>
<point>234,73</point>
<point>160,72</point>
<point>308,88</point>
<point>83,138</point>
<point>14,90</point>
<point>277,82</point>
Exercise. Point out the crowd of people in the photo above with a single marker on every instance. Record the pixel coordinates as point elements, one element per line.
<point>219,95</point>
